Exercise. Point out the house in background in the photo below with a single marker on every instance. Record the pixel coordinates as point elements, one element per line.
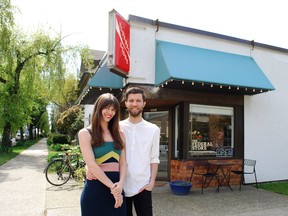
<point>214,97</point>
<point>85,77</point>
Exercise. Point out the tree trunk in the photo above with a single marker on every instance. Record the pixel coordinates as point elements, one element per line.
<point>6,139</point>
<point>31,135</point>
<point>21,134</point>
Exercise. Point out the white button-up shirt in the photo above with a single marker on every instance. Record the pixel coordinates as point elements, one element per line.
<point>142,149</point>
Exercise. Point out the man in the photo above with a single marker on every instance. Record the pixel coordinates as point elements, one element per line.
<point>142,154</point>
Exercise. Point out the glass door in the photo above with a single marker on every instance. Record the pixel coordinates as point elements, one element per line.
<point>160,118</point>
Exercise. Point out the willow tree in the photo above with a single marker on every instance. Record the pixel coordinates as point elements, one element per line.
<point>30,67</point>
<point>67,92</point>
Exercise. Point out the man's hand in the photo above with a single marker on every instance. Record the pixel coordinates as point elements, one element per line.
<point>148,187</point>
<point>117,189</point>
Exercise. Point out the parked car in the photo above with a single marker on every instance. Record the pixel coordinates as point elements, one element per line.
<point>13,140</point>
<point>18,136</point>
<point>163,148</point>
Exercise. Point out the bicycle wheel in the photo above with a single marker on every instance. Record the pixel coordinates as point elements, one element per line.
<point>58,172</point>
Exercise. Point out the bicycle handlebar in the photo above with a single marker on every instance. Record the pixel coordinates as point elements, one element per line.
<point>69,154</point>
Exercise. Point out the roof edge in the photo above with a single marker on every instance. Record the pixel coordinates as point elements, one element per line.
<point>206,33</point>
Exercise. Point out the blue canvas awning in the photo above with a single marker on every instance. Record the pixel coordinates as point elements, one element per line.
<point>103,78</point>
<point>208,68</point>
<point>103,81</point>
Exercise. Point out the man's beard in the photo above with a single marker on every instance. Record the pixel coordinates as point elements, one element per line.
<point>135,113</point>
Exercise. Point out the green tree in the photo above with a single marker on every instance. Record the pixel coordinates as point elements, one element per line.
<point>6,25</point>
<point>31,67</point>
<point>43,124</point>
<point>37,116</point>
<point>71,121</point>
<point>66,97</point>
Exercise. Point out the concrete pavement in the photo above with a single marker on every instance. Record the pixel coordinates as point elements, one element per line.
<point>25,192</point>
<point>22,183</point>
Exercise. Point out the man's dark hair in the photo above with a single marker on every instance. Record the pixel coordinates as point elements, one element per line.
<point>135,90</point>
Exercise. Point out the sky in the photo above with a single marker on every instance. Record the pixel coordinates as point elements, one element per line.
<point>86,21</point>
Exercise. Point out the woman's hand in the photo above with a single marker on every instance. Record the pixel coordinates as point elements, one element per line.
<point>118,200</point>
<point>116,190</point>
<point>89,174</point>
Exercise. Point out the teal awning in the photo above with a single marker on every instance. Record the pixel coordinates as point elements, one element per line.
<point>103,81</point>
<point>208,68</point>
<point>103,78</point>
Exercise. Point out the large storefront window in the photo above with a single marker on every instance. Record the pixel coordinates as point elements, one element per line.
<point>211,131</point>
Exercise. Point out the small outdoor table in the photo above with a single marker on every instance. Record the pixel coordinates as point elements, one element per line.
<point>223,175</point>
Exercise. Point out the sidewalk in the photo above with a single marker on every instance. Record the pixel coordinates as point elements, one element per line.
<point>22,183</point>
<point>25,192</point>
<point>63,200</point>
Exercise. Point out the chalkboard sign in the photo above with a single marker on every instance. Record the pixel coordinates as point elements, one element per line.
<point>224,152</point>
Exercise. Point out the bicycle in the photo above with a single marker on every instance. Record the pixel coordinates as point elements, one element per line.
<point>60,170</point>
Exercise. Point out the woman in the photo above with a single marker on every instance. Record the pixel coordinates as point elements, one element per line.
<point>103,150</point>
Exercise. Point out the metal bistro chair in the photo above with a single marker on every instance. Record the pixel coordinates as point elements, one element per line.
<point>248,168</point>
<point>203,169</point>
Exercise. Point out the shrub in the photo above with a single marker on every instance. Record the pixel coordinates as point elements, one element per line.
<point>52,155</point>
<point>57,138</point>
<point>66,147</point>
<point>80,175</point>
<point>61,147</point>
<point>55,147</point>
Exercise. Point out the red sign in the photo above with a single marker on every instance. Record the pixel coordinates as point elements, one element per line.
<point>119,44</point>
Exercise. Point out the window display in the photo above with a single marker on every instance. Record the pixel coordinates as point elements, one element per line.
<point>210,131</point>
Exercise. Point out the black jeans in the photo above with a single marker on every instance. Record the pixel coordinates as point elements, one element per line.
<point>142,204</point>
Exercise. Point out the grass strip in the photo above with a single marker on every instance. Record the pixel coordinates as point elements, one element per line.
<point>280,187</point>
<point>16,150</point>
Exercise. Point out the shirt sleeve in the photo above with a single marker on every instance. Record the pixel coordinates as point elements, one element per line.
<point>154,158</point>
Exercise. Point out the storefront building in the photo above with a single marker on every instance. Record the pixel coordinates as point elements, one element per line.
<point>213,96</point>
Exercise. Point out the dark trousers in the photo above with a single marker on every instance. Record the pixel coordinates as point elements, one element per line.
<point>142,204</point>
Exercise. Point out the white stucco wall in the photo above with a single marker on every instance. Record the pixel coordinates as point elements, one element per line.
<point>143,44</point>
<point>202,41</point>
<point>142,55</point>
<point>266,137</point>
<point>265,115</point>
<point>87,111</point>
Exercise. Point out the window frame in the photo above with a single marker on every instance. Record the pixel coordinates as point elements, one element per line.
<point>210,146</point>
<point>183,151</point>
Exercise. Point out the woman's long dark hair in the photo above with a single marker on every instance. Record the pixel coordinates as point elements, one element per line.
<point>103,101</point>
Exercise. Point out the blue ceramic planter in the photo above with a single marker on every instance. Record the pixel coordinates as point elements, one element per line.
<point>180,187</point>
